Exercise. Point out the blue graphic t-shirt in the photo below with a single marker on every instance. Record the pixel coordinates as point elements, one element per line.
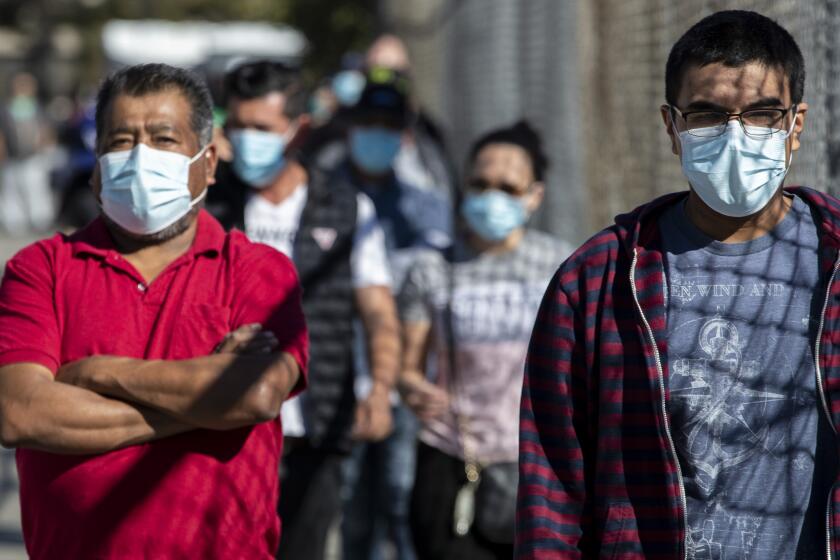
<point>744,409</point>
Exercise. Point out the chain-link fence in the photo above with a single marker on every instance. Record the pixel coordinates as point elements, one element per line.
<point>481,64</point>
<point>590,75</point>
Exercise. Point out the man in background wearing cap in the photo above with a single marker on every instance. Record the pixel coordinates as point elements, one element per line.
<point>380,476</point>
<point>423,160</point>
<point>332,234</point>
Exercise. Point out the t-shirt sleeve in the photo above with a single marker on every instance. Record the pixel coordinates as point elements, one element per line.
<point>28,323</point>
<point>413,296</point>
<point>268,292</point>
<point>369,257</point>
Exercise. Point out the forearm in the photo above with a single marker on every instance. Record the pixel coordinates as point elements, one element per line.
<point>383,349</point>
<point>221,391</point>
<point>64,419</point>
<point>409,378</point>
<point>415,350</point>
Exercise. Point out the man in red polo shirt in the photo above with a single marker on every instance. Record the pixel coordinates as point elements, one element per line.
<point>142,430</point>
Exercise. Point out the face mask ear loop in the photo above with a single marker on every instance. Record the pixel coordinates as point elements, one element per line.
<point>198,155</point>
<point>528,192</point>
<point>199,198</point>
<point>194,159</point>
<point>290,134</point>
<point>674,126</point>
<point>788,135</point>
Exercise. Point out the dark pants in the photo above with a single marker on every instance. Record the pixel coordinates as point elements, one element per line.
<point>438,479</point>
<point>310,486</point>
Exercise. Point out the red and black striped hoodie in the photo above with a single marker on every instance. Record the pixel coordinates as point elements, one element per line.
<point>599,476</point>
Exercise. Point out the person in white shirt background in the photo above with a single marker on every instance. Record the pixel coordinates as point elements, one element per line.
<point>336,241</point>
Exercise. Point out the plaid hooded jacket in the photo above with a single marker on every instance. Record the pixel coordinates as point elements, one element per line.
<point>599,477</point>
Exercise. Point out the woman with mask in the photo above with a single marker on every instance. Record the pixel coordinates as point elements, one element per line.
<point>467,320</point>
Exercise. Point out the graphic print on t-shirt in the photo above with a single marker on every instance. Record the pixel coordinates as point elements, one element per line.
<point>494,301</point>
<point>734,417</point>
<point>742,387</point>
<point>721,400</point>
<point>494,310</point>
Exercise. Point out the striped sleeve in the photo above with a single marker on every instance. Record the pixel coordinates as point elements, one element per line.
<point>550,504</point>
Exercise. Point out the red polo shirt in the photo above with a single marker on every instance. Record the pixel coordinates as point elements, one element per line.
<point>202,494</point>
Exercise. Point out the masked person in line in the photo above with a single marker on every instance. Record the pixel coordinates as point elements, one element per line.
<point>379,476</point>
<point>680,399</point>
<point>471,311</point>
<point>26,159</point>
<point>423,160</point>
<point>332,234</point>
<point>143,429</point>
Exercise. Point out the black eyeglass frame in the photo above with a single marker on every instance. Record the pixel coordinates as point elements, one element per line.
<point>740,116</point>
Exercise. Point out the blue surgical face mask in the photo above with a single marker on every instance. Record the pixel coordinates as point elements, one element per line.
<point>493,215</point>
<point>257,155</point>
<point>735,174</point>
<point>347,86</point>
<point>145,190</point>
<point>374,148</point>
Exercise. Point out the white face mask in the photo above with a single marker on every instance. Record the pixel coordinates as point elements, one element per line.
<point>145,190</point>
<point>734,174</point>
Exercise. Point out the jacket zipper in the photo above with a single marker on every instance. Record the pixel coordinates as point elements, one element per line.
<point>823,400</point>
<point>663,404</point>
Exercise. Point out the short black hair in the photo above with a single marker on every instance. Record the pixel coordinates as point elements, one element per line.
<point>736,38</point>
<point>144,79</point>
<point>521,134</point>
<point>258,78</point>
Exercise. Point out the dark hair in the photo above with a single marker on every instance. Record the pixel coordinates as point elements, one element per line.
<point>144,79</point>
<point>520,134</point>
<point>736,38</point>
<point>259,78</point>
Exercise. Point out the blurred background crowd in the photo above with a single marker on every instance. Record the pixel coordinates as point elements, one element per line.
<point>587,75</point>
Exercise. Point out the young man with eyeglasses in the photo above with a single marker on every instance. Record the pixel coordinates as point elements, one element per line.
<point>680,396</point>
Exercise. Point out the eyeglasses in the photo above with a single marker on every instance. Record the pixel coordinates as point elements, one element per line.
<point>757,123</point>
<point>481,185</point>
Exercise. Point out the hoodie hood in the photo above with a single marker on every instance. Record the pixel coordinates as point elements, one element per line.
<point>641,225</point>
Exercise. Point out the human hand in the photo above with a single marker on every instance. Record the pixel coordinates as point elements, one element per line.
<point>247,339</point>
<point>373,416</point>
<point>425,399</point>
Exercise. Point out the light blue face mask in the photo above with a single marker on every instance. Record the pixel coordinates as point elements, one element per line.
<point>347,86</point>
<point>257,155</point>
<point>493,215</point>
<point>145,190</point>
<point>734,174</point>
<point>374,148</point>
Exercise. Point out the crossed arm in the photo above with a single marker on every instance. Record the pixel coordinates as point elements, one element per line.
<point>103,403</point>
